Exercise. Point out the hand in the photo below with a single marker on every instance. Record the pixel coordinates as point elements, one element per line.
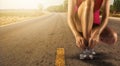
<point>94,39</point>
<point>95,34</point>
<point>80,41</point>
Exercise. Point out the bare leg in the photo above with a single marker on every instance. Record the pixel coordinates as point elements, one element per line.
<point>85,14</point>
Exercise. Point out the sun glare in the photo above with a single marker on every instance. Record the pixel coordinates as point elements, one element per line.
<point>18,4</point>
<point>27,4</point>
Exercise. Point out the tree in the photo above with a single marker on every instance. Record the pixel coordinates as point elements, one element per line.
<point>116,5</point>
<point>59,8</point>
<point>65,5</point>
<point>111,9</point>
<point>40,7</point>
<point>56,8</point>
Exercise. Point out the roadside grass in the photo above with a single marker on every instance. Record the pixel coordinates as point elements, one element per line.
<point>12,16</point>
<point>115,15</point>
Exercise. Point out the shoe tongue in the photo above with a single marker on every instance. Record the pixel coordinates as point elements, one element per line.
<point>87,51</point>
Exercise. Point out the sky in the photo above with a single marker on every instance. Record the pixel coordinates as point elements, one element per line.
<point>29,4</point>
<point>111,1</point>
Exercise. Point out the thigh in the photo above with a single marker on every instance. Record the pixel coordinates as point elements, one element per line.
<point>108,36</point>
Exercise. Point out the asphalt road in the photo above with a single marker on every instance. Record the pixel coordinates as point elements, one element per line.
<point>34,43</point>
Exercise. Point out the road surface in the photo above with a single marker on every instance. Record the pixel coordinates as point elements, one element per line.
<point>34,43</point>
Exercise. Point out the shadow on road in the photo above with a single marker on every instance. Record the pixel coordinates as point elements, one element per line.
<point>98,61</point>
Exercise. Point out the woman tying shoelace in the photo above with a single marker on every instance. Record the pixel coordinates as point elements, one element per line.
<point>86,26</point>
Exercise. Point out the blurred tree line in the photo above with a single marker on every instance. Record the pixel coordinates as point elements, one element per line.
<point>59,8</point>
<point>40,6</point>
<point>115,8</point>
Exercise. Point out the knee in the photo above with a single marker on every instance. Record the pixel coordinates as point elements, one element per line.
<point>90,3</point>
<point>85,6</point>
<point>87,3</point>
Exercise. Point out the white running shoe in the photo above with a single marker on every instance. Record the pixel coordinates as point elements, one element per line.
<point>86,54</point>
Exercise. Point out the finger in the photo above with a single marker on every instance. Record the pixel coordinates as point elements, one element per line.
<point>97,40</point>
<point>83,44</point>
<point>90,42</point>
<point>77,43</point>
<point>93,43</point>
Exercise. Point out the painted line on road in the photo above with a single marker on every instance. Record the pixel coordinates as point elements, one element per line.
<point>60,57</point>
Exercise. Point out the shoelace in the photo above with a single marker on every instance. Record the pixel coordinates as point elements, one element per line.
<point>89,51</point>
